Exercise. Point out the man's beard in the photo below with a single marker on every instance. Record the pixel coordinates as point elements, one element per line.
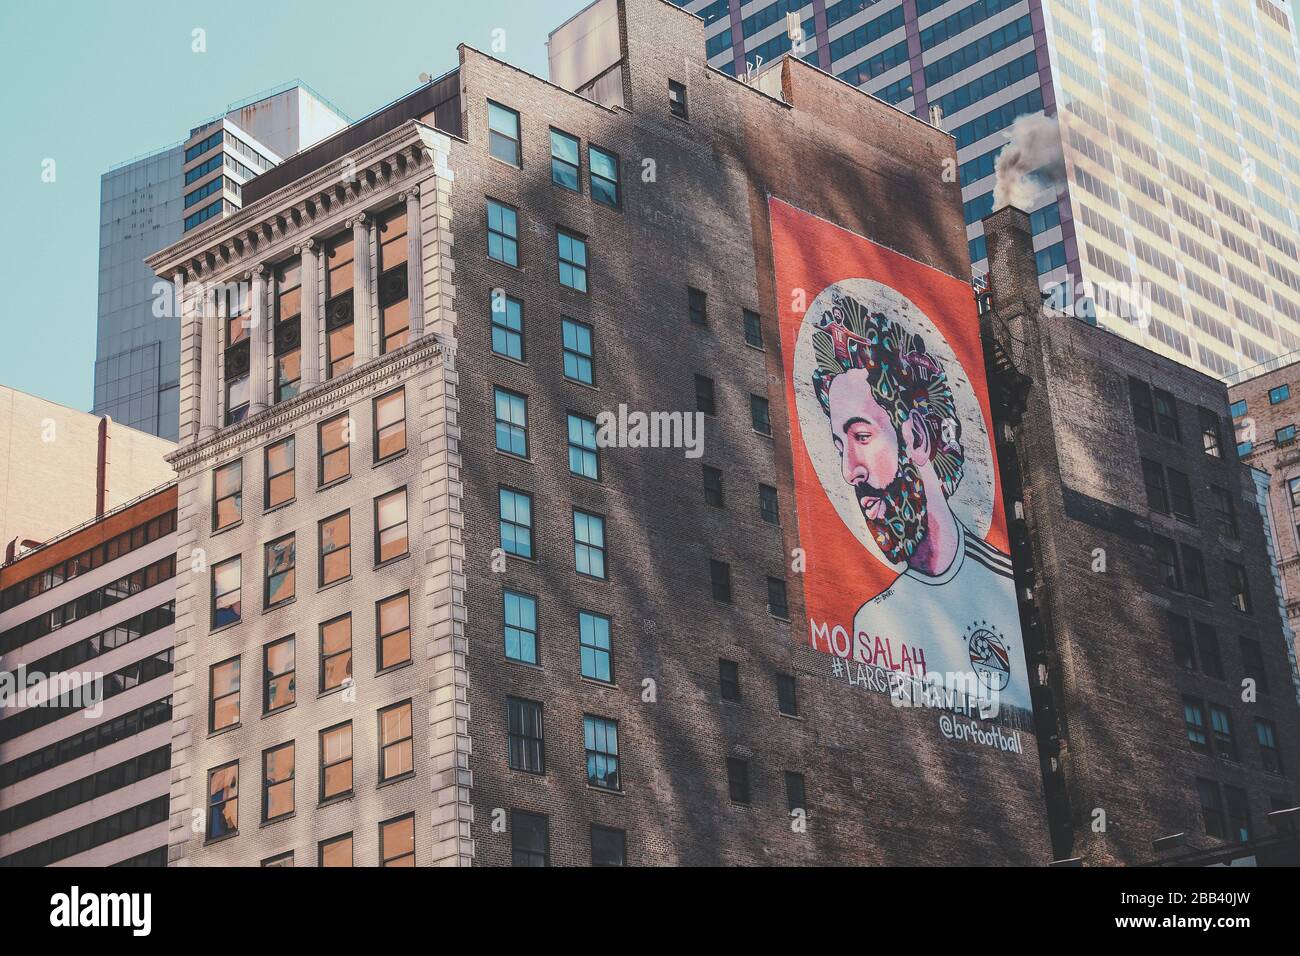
<point>898,525</point>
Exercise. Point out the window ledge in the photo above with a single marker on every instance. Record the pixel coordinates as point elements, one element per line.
<point>335,483</point>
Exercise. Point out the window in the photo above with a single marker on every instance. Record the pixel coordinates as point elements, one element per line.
<point>1194,718</point>
<point>760,415</point>
<point>1293,485</point>
<point>713,486</point>
<point>1252,660</point>
<point>280,560</point>
<point>564,160</point>
<point>334,441</point>
<point>1269,753</point>
<point>796,800</point>
<point>608,846</point>
<point>600,741</point>
<point>503,232</point>
<point>720,580</point>
<point>390,425</point>
<point>768,508</point>
<point>1279,394</point>
<point>1207,649</point>
<point>335,549</point>
<point>391,539</point>
<point>583,457</point>
<point>1221,723</point>
<point>336,761</point>
<point>1180,641</point>
<point>529,839</point>
<point>577,351</point>
<point>572,250</point>
<point>279,675</point>
<point>277,782</point>
<point>394,299</point>
<point>1238,813</point>
<point>729,680</point>
<point>704,395</point>
<point>336,851</point>
<point>280,859</point>
<point>507,326</point>
<point>223,695</point>
<point>1180,495</point>
<point>753,329</point>
<point>777,605</point>
<point>281,467</point>
<point>1284,435</point>
<point>223,801</point>
<point>1211,440</point>
<point>520,615</point>
<point>503,134</point>
<point>1211,808</point>
<point>1166,415</point>
<point>1167,562</point>
<point>238,390</point>
<point>525,743</point>
<point>595,649</point>
<point>677,98</point>
<point>288,330</point>
<point>1194,572</point>
<point>1144,415</point>
<point>738,779</point>
<point>226,607</point>
<point>1238,588</point>
<point>237,357</point>
<point>228,496</point>
<point>698,305</point>
<point>340,338</point>
<point>397,841</point>
<point>1153,475</point>
<point>602,169</point>
<point>516,523</point>
<point>1237,409</point>
<point>786,700</point>
<point>589,544</point>
<point>396,742</point>
<point>511,421</point>
<point>336,652</point>
<point>1225,513</point>
<point>393,630</point>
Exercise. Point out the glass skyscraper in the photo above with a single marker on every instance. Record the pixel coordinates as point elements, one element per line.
<point>149,203</point>
<point>1179,122</point>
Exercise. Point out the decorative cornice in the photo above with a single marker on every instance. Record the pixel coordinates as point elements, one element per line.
<point>315,398</point>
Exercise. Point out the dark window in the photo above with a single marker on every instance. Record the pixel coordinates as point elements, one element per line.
<point>1269,753</point>
<point>720,580</point>
<point>1211,439</point>
<point>223,695</point>
<point>1194,718</point>
<point>1180,640</point>
<point>594,647</point>
<point>336,761</point>
<point>336,652</point>
<point>1180,495</point>
<point>777,604</point>
<point>1238,813</point>
<point>1157,492</point>
<point>279,675</point>
<point>738,779</point>
<point>698,304</point>
<point>704,395</point>
<point>1207,650</point>
<point>392,539</point>
<point>1211,808</point>
<point>1221,723</point>
<point>1144,415</point>
<point>589,544</point>
<point>608,846</point>
<point>393,630</point>
<point>578,353</point>
<point>602,168</point>
<point>1284,435</point>
<point>1252,660</point>
<point>520,629</point>
<point>223,801</point>
<point>572,251</point>
<point>768,506</point>
<point>335,852</point>
<point>787,700</point>
<point>390,425</point>
<point>584,457</point>
<point>516,523</point>
<point>1279,394</point>
<point>503,134</point>
<point>729,680</point>
<point>712,486</point>
<point>1238,588</point>
<point>507,326</point>
<point>511,412</point>
<point>795,797</point>
<point>228,495</point>
<point>1194,572</point>
<point>600,743</point>
<point>503,232</point>
<point>525,744</point>
<point>226,606</point>
<point>288,330</point>
<point>277,782</point>
<point>565,151</point>
<point>529,839</point>
<point>396,741</point>
<point>753,329</point>
<point>279,860</point>
<point>397,842</point>
<point>677,98</point>
<point>1167,562</point>
<point>760,415</point>
<point>334,441</point>
<point>281,466</point>
<point>335,549</point>
<point>281,571</point>
<point>1166,409</point>
<point>1225,512</point>
<point>1293,485</point>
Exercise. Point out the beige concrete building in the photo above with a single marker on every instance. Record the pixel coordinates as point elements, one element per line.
<point>60,467</point>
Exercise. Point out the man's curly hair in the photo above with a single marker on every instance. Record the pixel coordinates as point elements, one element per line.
<point>905,380</point>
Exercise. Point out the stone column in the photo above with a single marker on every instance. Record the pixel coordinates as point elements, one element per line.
<point>362,310</point>
<point>310,323</point>
<point>414,263</point>
<point>209,316</point>
<point>258,355</point>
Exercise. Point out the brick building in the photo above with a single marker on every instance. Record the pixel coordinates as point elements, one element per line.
<point>1170,705</point>
<point>86,642</point>
<point>511,643</point>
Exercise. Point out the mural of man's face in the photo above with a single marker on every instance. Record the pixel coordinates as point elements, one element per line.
<point>878,464</point>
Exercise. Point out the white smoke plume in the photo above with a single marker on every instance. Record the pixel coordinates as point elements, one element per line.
<point>1031,163</point>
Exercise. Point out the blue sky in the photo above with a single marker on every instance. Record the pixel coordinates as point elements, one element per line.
<point>91,84</point>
